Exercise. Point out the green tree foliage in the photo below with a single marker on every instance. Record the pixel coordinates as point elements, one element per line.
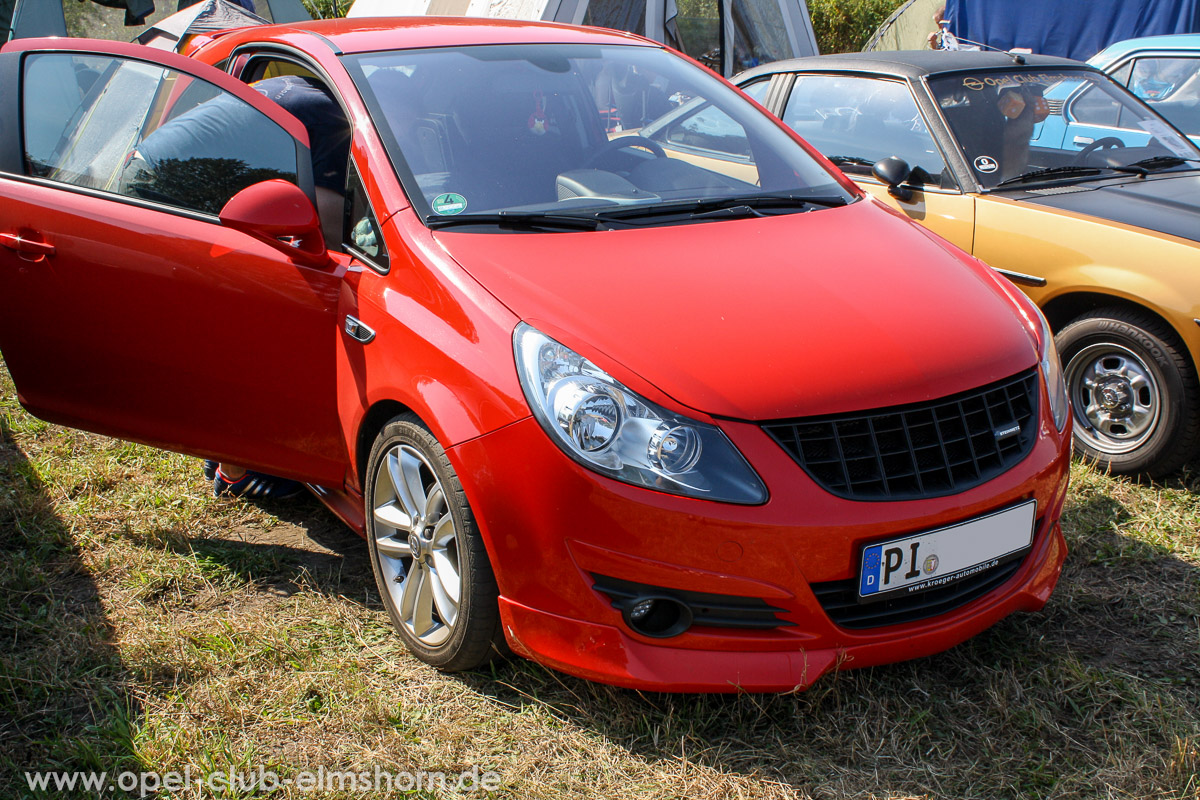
<point>327,9</point>
<point>844,26</point>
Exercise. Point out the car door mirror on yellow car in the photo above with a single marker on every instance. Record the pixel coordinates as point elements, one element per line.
<point>280,214</point>
<point>893,171</point>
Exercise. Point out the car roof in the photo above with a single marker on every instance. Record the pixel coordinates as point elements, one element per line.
<point>909,63</point>
<point>1117,50</point>
<point>367,34</point>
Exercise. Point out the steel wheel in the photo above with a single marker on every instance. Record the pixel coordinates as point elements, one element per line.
<point>1133,392</point>
<point>417,545</point>
<point>1116,397</point>
<point>430,564</point>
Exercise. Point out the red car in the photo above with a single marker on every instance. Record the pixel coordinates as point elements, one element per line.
<point>692,416</point>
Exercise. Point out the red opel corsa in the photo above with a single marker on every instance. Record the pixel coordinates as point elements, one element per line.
<point>686,412</point>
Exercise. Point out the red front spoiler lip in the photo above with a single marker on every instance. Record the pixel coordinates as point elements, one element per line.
<point>606,654</point>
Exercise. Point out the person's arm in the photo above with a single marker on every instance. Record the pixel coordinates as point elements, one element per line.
<point>938,16</point>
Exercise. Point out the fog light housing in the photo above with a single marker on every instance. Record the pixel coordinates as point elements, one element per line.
<point>657,616</point>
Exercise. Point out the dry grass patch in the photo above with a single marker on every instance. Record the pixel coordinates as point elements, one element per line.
<point>150,627</point>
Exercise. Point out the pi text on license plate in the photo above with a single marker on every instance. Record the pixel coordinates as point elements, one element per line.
<point>936,558</point>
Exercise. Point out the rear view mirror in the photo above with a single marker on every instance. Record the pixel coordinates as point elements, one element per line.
<point>280,214</point>
<point>893,171</point>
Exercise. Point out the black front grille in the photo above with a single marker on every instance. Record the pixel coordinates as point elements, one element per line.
<point>921,450</point>
<point>714,610</point>
<point>840,598</point>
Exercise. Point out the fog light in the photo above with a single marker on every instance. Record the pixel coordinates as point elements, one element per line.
<point>641,609</point>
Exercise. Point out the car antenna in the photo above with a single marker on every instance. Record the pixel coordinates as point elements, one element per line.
<point>1017,54</point>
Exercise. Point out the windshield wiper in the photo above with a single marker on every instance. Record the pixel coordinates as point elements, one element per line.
<point>729,212</point>
<point>520,219</point>
<point>1162,162</point>
<point>1050,172</point>
<point>1142,168</point>
<point>699,208</point>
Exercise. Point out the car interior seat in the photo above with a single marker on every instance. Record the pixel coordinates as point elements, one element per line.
<point>521,131</point>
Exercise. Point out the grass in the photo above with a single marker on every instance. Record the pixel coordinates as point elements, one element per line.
<point>149,627</point>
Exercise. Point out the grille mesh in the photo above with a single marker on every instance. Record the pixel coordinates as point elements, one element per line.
<point>922,450</point>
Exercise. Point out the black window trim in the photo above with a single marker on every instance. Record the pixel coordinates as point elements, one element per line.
<point>354,252</point>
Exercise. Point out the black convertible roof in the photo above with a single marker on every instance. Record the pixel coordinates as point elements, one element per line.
<point>910,63</point>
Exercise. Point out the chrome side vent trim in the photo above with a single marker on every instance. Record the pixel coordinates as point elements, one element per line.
<point>358,331</point>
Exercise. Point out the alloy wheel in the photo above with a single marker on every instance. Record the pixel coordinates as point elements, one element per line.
<point>417,545</point>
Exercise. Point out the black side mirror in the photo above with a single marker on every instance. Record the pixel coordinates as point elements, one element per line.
<point>894,171</point>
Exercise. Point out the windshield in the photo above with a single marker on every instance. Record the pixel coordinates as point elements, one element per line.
<point>1022,127</point>
<point>573,129</point>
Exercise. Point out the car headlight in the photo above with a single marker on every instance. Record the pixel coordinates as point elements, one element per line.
<point>1056,386</point>
<point>607,428</point>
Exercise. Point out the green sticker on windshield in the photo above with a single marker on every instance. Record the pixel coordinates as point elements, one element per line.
<point>449,204</point>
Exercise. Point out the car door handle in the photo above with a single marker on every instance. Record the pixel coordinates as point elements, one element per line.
<point>26,246</point>
<point>1082,140</point>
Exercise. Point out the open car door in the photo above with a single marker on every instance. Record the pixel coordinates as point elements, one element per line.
<point>127,307</point>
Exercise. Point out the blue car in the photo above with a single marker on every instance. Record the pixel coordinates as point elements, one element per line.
<point>1163,71</point>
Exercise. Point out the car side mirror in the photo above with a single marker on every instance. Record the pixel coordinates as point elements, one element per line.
<point>280,214</point>
<point>894,171</point>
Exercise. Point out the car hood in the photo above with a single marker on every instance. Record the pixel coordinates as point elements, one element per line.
<point>1166,203</point>
<point>803,314</point>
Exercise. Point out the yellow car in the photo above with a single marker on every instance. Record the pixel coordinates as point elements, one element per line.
<point>1057,177</point>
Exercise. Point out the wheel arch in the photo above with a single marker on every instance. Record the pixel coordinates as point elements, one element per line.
<point>1063,308</point>
<point>378,415</point>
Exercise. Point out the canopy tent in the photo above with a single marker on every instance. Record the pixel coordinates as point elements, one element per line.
<point>727,35</point>
<point>48,18</point>
<point>202,17</point>
<point>1067,27</point>
<point>907,28</point>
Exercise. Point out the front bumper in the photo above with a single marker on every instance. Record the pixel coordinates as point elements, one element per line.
<point>550,526</point>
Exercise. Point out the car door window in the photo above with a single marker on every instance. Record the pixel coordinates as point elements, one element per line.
<point>1095,107</point>
<point>710,137</point>
<point>857,121</point>
<point>711,131</point>
<point>757,91</point>
<point>1171,86</point>
<point>140,130</point>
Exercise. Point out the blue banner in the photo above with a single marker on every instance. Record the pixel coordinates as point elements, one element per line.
<point>1072,28</point>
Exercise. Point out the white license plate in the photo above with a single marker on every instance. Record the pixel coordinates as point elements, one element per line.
<point>936,558</point>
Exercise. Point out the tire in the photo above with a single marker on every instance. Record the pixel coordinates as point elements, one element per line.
<point>1133,392</point>
<point>414,500</point>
